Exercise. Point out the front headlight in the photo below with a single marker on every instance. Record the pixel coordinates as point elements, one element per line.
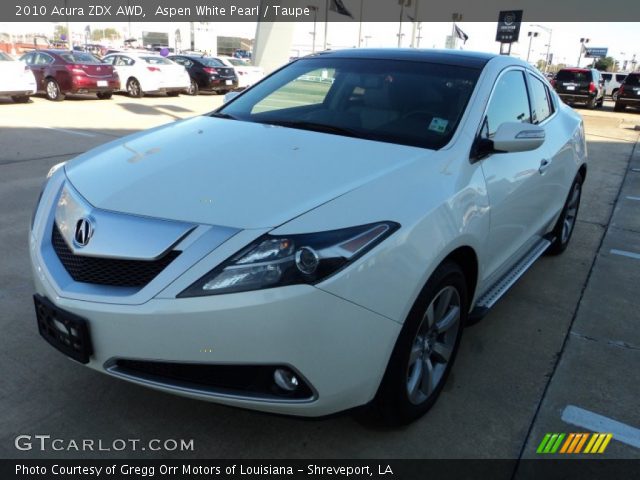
<point>275,261</point>
<point>52,170</point>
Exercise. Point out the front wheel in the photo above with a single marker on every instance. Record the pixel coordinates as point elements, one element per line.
<point>193,88</point>
<point>425,349</point>
<point>614,95</point>
<point>53,91</point>
<point>133,88</point>
<point>567,221</point>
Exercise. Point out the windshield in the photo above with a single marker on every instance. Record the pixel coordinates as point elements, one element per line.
<point>4,57</point>
<point>79,57</point>
<point>405,102</point>
<point>157,60</point>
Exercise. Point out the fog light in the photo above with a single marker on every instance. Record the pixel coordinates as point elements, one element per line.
<point>285,379</point>
<point>307,260</point>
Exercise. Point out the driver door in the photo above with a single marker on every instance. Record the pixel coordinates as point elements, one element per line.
<point>513,180</point>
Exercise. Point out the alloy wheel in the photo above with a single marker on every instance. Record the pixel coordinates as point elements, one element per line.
<point>571,213</point>
<point>433,345</point>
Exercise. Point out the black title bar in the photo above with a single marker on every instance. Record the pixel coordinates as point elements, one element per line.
<point>318,10</point>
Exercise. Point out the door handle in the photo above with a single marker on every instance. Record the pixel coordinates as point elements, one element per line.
<point>544,164</point>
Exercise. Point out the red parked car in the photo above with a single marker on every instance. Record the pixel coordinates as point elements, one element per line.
<point>62,72</point>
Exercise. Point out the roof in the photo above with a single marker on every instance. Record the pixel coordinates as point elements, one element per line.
<point>449,57</point>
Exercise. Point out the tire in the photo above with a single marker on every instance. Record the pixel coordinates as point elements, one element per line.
<point>601,102</point>
<point>173,94</point>
<point>104,95</point>
<point>52,90</point>
<point>21,99</point>
<point>133,88</point>
<point>567,220</point>
<point>592,104</point>
<point>614,95</point>
<point>428,343</point>
<point>193,89</point>
<point>619,107</point>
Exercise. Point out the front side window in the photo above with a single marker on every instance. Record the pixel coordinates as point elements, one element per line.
<point>405,102</point>
<point>509,103</point>
<point>620,78</point>
<point>541,104</point>
<point>4,57</point>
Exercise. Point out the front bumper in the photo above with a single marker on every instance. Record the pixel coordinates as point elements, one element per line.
<point>339,348</point>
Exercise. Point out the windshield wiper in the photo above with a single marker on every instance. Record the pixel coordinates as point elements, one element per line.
<point>222,115</point>
<point>317,127</point>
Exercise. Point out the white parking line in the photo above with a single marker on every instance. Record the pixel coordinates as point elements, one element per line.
<point>625,253</point>
<point>73,132</point>
<point>629,197</point>
<point>597,423</point>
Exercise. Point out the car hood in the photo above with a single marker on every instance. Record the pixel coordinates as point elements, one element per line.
<point>232,173</point>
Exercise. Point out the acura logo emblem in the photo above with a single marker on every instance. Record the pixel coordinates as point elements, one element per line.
<point>84,232</point>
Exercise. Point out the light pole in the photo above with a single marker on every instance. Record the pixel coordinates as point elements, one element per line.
<point>582,42</point>
<point>550,32</point>
<point>531,36</point>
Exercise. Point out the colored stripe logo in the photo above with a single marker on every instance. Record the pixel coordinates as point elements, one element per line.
<point>574,443</point>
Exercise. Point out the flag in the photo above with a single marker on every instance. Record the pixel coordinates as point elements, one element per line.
<point>460,34</point>
<point>338,7</point>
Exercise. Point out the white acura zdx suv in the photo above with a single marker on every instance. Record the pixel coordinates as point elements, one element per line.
<point>359,207</point>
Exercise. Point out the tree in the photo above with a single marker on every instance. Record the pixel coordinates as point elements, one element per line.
<point>605,64</point>
<point>97,34</point>
<point>59,31</point>
<point>111,33</point>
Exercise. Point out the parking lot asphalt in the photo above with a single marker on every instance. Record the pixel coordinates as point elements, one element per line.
<point>565,335</point>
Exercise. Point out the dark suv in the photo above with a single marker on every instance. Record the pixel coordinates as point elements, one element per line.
<point>629,93</point>
<point>580,85</point>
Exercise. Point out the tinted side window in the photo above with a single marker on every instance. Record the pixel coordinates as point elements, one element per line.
<point>509,103</point>
<point>620,78</point>
<point>606,76</point>
<point>632,80</point>
<point>541,104</point>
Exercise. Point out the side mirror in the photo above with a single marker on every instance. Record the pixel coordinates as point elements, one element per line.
<point>517,137</point>
<point>230,96</point>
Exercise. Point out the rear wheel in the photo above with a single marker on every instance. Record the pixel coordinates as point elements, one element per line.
<point>53,90</point>
<point>193,88</point>
<point>614,94</point>
<point>619,107</point>
<point>20,98</point>
<point>133,88</point>
<point>425,349</point>
<point>567,221</point>
<point>104,95</point>
<point>592,103</point>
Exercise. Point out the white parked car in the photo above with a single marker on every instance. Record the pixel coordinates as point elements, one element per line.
<point>329,250</point>
<point>142,72</point>
<point>247,74</point>
<point>612,82</point>
<point>16,79</point>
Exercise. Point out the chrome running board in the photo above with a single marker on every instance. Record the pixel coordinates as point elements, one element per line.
<point>495,293</point>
